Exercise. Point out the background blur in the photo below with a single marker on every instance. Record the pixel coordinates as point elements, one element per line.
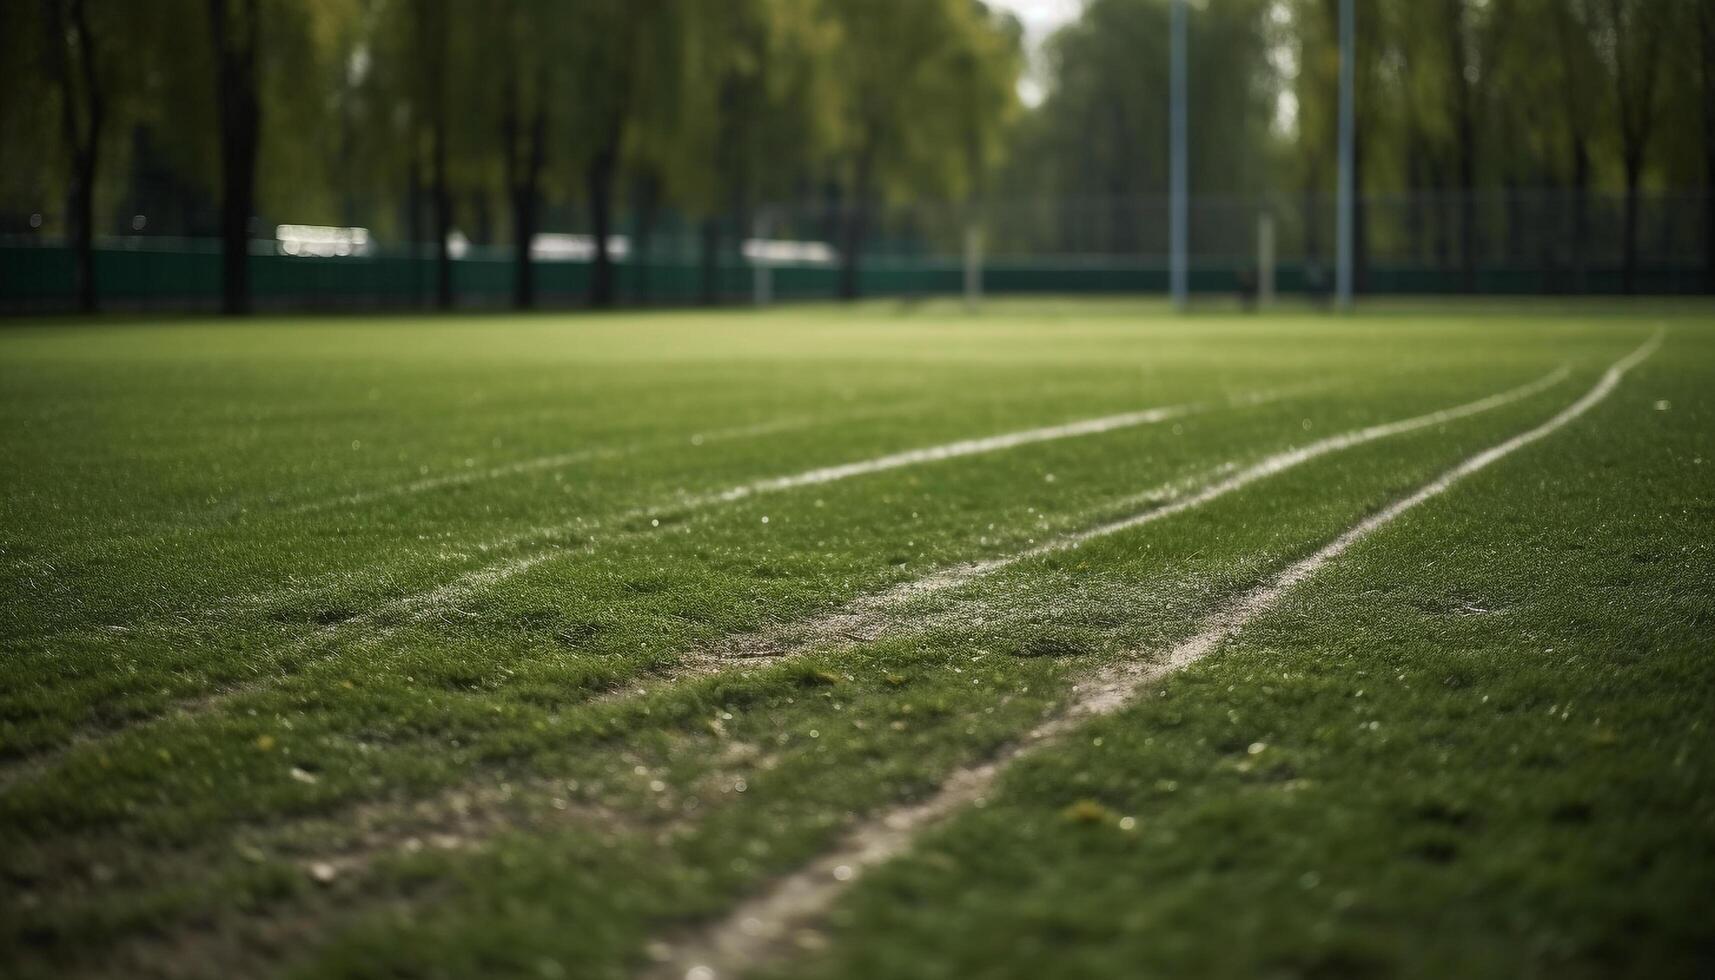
<point>490,153</point>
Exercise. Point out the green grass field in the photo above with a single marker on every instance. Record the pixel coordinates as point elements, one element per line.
<point>869,642</point>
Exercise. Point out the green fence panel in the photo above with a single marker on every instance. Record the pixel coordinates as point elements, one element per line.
<point>188,275</point>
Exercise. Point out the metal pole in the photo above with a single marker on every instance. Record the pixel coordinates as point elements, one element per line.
<point>973,266</point>
<point>1343,233</point>
<point>1264,260</point>
<point>761,275</point>
<point>1179,165</point>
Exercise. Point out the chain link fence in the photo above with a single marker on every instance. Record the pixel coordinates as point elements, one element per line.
<point>156,250</point>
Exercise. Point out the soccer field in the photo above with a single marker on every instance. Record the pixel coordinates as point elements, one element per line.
<point>1072,639</point>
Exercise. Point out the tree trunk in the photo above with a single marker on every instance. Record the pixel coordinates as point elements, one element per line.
<point>1466,138</point>
<point>1443,240</point>
<point>1360,212</point>
<point>851,247</point>
<point>602,169</point>
<point>709,246</point>
<point>1706,30</point>
<point>81,211</point>
<point>443,199</point>
<point>235,30</point>
<point>1515,219</point>
<point>1364,41</point>
<point>433,37</point>
<point>1416,186</point>
<point>1635,79</point>
<point>1313,217</point>
<point>482,218</point>
<point>647,206</point>
<point>523,239</point>
<point>1580,213</point>
<point>525,156</point>
<point>414,221</point>
<point>80,88</point>
<point>525,195</point>
<point>1634,176</point>
<point>856,225</point>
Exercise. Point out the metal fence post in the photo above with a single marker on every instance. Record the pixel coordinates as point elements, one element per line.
<point>761,273</point>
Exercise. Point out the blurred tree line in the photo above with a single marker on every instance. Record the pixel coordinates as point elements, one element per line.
<point>1532,108</point>
<point>464,110</point>
<point>485,115</point>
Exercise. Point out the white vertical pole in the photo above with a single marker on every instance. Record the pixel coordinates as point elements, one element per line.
<point>1179,164</point>
<point>761,275</point>
<point>1264,260</point>
<point>973,266</point>
<point>1347,190</point>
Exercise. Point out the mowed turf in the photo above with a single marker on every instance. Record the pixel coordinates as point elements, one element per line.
<point>499,646</point>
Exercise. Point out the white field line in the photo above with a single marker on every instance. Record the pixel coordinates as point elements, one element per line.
<point>481,578</point>
<point>951,450</point>
<point>987,444</point>
<point>462,478</point>
<point>929,454</point>
<point>489,576</point>
<point>860,619</point>
<point>864,619</point>
<point>423,604</point>
<point>758,929</point>
<point>867,618</point>
<point>537,464</point>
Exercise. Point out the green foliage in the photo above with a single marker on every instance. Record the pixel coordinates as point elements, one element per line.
<point>928,86</point>
<point>723,107</point>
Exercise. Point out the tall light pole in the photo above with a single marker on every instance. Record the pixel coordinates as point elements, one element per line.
<point>1348,146</point>
<point>1179,206</point>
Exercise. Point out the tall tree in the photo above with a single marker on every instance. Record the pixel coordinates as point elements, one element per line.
<point>1576,74</point>
<point>1318,25</point>
<point>1630,35</point>
<point>902,64</point>
<point>83,116</point>
<point>87,66</point>
<point>236,28</point>
<point>625,61</point>
<point>1706,74</point>
<point>761,114</point>
<point>432,40</point>
<point>1095,148</point>
<point>524,131</point>
<point>1462,75</point>
<point>527,32</point>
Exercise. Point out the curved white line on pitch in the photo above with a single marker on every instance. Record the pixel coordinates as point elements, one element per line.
<point>483,578</point>
<point>760,926</point>
<point>1267,467</point>
<point>540,463</point>
<point>951,450</point>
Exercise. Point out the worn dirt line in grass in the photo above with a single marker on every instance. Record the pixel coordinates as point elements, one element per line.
<point>269,936</point>
<point>951,450</point>
<point>556,540</point>
<point>862,620</point>
<point>463,478</point>
<point>422,605</point>
<point>761,929</point>
<point>551,462</point>
<point>868,618</point>
<point>224,513</point>
<point>389,828</point>
<point>483,578</point>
